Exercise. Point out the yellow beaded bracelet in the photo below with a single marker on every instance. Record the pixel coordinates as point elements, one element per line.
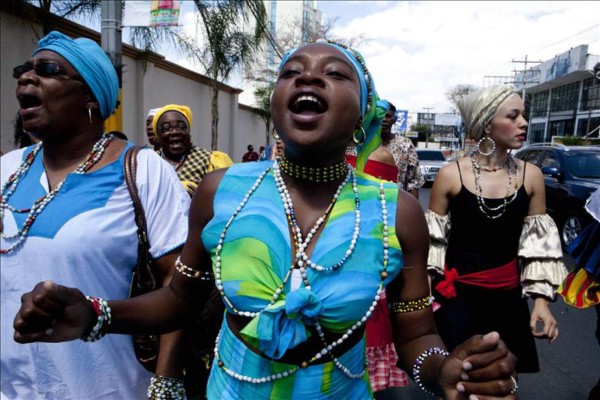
<point>412,305</point>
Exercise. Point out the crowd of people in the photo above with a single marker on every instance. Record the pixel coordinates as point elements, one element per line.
<point>323,263</point>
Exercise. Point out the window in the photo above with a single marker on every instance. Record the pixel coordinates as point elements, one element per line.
<point>536,132</point>
<point>531,156</point>
<point>590,98</point>
<point>564,98</point>
<point>583,129</point>
<point>585,165</point>
<point>550,160</point>
<point>539,104</point>
<point>431,155</point>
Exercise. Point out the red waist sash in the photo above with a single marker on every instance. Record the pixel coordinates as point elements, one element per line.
<point>502,278</point>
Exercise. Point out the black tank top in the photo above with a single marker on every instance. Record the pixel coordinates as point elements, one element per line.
<point>477,242</point>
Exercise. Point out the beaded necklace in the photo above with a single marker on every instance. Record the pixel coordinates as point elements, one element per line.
<point>488,169</point>
<point>40,204</point>
<point>301,262</point>
<point>326,174</point>
<point>495,212</point>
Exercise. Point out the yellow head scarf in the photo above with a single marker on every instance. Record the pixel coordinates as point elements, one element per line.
<point>184,110</point>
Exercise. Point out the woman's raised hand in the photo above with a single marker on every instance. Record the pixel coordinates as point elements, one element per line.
<point>480,368</point>
<point>52,313</point>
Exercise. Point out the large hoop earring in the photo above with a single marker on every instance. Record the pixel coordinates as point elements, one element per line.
<point>359,140</point>
<point>489,153</point>
<point>90,114</point>
<point>275,135</point>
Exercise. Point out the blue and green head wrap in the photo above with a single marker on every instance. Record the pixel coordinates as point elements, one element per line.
<point>372,108</point>
<point>91,62</point>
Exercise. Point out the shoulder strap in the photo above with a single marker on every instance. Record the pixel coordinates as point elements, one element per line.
<point>143,267</point>
<point>459,173</point>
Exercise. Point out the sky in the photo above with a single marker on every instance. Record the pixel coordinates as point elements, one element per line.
<point>417,51</point>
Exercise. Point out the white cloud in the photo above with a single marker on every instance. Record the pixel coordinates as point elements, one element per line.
<point>418,50</point>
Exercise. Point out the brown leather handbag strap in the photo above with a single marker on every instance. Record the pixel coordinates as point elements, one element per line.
<point>143,267</point>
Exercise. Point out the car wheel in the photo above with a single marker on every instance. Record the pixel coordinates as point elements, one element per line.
<point>571,228</point>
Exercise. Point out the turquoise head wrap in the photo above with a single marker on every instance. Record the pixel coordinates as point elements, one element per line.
<point>372,108</point>
<point>90,61</point>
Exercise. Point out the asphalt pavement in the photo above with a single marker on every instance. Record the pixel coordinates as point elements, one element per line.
<point>570,366</point>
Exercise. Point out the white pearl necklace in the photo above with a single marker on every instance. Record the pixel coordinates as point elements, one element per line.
<point>301,256</point>
<point>40,204</point>
<point>300,262</point>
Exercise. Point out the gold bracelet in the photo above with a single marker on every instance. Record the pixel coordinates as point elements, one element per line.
<point>412,305</point>
<point>192,273</point>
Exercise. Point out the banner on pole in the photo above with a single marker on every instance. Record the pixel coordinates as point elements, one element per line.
<point>151,13</point>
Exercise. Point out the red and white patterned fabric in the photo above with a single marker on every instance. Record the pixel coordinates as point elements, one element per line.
<point>383,372</point>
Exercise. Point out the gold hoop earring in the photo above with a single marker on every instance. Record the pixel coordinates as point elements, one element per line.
<point>359,140</point>
<point>90,114</point>
<point>275,135</point>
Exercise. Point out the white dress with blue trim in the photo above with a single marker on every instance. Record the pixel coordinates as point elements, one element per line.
<point>85,238</point>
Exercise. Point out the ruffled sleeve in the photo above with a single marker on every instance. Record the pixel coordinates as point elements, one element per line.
<point>540,252</point>
<point>218,159</point>
<point>439,230</point>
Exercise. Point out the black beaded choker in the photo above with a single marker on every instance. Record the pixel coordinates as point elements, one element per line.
<point>326,174</point>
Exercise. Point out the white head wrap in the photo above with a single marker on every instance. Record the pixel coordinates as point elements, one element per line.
<point>152,112</point>
<point>479,108</point>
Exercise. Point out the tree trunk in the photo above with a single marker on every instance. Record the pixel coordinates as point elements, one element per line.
<point>268,131</point>
<point>215,116</point>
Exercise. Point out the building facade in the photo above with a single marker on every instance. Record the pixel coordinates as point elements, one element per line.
<point>563,96</point>
<point>290,24</point>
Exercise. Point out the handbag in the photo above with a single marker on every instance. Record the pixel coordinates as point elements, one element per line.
<point>144,275</point>
<point>206,323</point>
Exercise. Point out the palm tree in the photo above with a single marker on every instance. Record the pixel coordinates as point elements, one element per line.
<point>263,101</point>
<point>229,45</point>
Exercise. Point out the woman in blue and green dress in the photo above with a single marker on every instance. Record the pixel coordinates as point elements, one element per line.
<point>300,249</point>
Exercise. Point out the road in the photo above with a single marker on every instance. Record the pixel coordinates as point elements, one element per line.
<point>570,366</point>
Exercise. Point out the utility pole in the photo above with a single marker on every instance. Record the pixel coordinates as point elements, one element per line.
<point>427,134</point>
<point>111,28</point>
<point>524,72</point>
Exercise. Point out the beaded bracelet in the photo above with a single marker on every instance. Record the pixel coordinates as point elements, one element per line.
<point>163,387</point>
<point>413,305</point>
<point>416,372</point>
<point>192,273</point>
<point>104,314</point>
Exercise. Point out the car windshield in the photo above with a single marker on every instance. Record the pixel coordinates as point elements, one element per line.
<point>431,156</point>
<point>585,165</point>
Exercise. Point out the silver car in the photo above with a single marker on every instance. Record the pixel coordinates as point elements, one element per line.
<point>430,162</point>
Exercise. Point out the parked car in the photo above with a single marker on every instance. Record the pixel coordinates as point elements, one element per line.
<point>571,175</point>
<point>430,162</point>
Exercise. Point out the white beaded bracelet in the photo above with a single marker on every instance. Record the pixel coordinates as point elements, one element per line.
<point>163,387</point>
<point>416,372</point>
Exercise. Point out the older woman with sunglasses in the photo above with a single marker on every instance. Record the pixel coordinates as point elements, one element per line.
<point>172,125</point>
<point>300,249</point>
<point>67,215</point>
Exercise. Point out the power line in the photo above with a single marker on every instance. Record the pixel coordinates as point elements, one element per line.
<point>567,38</point>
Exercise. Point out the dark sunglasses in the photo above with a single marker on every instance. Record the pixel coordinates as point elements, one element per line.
<point>42,68</point>
<point>167,127</point>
